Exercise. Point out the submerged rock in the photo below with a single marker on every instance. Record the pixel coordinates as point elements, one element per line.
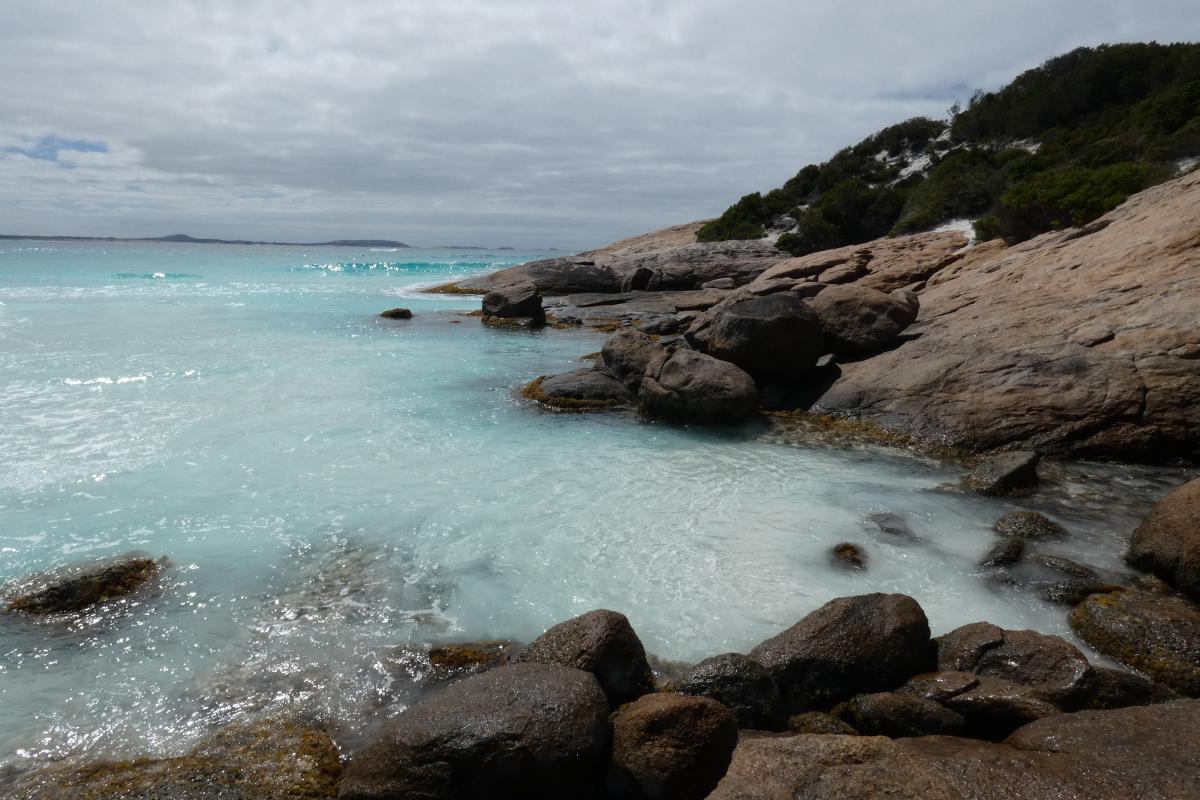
<point>849,646</point>
<point>397,313</point>
<point>1158,635</point>
<point>1167,543</point>
<point>520,730</point>
<point>670,746</point>
<point>600,642</point>
<point>1028,525</point>
<point>858,320</point>
<point>79,587</point>
<point>740,684</point>
<point>587,389</point>
<point>820,723</point>
<point>440,664</point>
<point>693,387</point>
<point>1004,473</point>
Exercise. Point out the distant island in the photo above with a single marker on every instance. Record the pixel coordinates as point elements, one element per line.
<point>183,238</point>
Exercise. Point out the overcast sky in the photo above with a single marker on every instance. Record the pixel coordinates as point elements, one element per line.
<point>496,122</point>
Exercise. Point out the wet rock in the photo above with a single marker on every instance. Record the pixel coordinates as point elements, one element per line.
<point>693,387</point>
<point>1029,525</point>
<point>849,646</point>
<point>859,320</point>
<point>1157,635</point>
<point>440,664</point>
<point>993,707</point>
<point>776,338</point>
<point>670,746</point>
<point>1004,473</point>
<point>626,355</point>
<point>900,715</point>
<point>1098,755</point>
<point>81,586</point>
<point>1167,543</point>
<point>1004,554</point>
<point>820,722</point>
<point>849,555</point>
<point>1061,673</point>
<point>1114,688</point>
<point>520,730</point>
<point>519,301</point>
<point>600,642</point>
<point>246,761</point>
<point>396,313</point>
<point>739,683</point>
<point>587,389</point>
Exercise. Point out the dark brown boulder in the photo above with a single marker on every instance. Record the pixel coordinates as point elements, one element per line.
<point>600,642</point>
<point>819,722</point>
<point>670,746</point>
<point>520,730</point>
<point>1167,543</point>
<point>1029,525</point>
<point>849,646</point>
<point>1114,688</point>
<point>858,320</point>
<point>740,684</point>
<point>1158,635</point>
<point>849,555</point>
<point>81,586</point>
<point>586,389</point>
<point>518,301</point>
<point>900,715</point>
<point>992,707</point>
<point>1004,473</point>
<point>775,339</point>
<point>692,387</point>
<point>397,313</point>
<point>626,355</point>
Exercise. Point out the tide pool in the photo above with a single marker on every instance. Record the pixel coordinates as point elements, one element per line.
<point>329,485</point>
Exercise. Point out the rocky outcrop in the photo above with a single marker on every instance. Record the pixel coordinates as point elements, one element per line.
<point>1080,342</point>
<point>627,353</point>
<point>851,645</point>
<point>1167,543</point>
<point>693,387</point>
<point>587,389</point>
<point>740,684</point>
<point>1098,755</point>
<point>79,587</point>
<point>1158,635</point>
<point>858,320</point>
<point>775,339</point>
<point>670,746</point>
<point>516,301</point>
<point>600,642</point>
<point>992,707</point>
<point>521,730</point>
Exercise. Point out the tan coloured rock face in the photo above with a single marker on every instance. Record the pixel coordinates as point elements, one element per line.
<point>674,236</point>
<point>1081,342</point>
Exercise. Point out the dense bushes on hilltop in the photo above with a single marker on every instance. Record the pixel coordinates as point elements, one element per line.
<point>1060,145</point>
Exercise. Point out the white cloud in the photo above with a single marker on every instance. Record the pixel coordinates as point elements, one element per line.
<point>524,122</point>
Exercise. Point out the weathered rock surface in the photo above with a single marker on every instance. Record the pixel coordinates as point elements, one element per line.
<point>900,715</point>
<point>993,707</point>
<point>1167,543</point>
<point>820,722</point>
<point>78,587</point>
<point>1005,553</point>
<point>1158,635</point>
<point>600,642</point>
<point>1092,755</point>
<point>740,684</point>
<point>521,730</point>
<point>438,665</point>
<point>586,389</point>
<point>626,355</point>
<point>1029,525</point>
<point>1004,473</point>
<point>1080,342</point>
<point>1114,688</point>
<point>514,302</point>
<point>851,645</point>
<point>266,760</point>
<point>670,746</point>
<point>693,387</point>
<point>858,320</point>
<point>776,338</point>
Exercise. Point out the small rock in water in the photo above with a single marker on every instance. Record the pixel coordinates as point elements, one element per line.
<point>849,555</point>
<point>1028,525</point>
<point>79,587</point>
<point>397,313</point>
<point>1004,554</point>
<point>891,524</point>
<point>1005,473</point>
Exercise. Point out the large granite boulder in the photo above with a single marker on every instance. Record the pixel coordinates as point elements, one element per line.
<point>992,707</point>
<point>78,587</point>
<point>858,320</point>
<point>1158,635</point>
<point>740,684</point>
<point>1091,755</point>
<point>627,353</point>
<point>1167,543</point>
<point>1080,342</point>
<point>1061,673</point>
<point>899,715</point>
<point>692,387</point>
<point>587,389</point>
<point>515,301</point>
<point>670,746</point>
<point>521,730</point>
<point>261,760</point>
<point>849,646</point>
<point>776,338</point>
<point>600,642</point>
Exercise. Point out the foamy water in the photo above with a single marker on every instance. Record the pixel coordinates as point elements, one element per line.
<point>329,485</point>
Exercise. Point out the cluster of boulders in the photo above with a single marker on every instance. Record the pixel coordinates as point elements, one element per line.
<point>745,345</point>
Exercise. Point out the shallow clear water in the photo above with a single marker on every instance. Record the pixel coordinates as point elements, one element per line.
<point>329,485</point>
